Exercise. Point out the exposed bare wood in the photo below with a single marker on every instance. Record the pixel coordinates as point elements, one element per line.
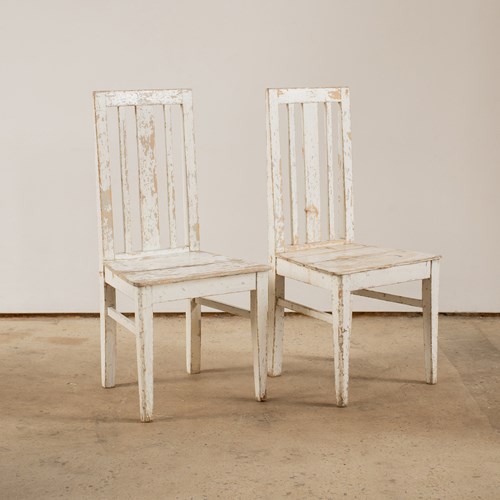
<point>341,320</point>
<point>125,183</point>
<point>144,346</point>
<point>148,183</point>
<point>258,319</point>
<point>193,227</point>
<point>330,170</point>
<point>143,97</point>
<point>275,174</point>
<point>108,335</point>
<point>180,267</point>
<point>277,325</point>
<point>193,336</point>
<point>172,223</point>
<point>347,164</point>
<point>288,96</point>
<point>430,296</point>
<point>311,164</point>
<point>105,205</point>
<point>292,153</point>
<point>150,253</point>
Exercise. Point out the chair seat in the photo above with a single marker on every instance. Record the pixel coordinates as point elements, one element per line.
<point>341,258</point>
<point>178,267</point>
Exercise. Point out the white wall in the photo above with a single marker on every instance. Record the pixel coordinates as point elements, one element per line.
<point>424,78</point>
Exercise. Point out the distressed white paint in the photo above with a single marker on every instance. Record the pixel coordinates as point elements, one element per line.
<point>311,164</point>
<point>148,183</point>
<point>339,265</point>
<point>258,319</point>
<point>221,306</point>
<point>156,274</point>
<point>307,311</point>
<point>193,336</point>
<point>292,152</point>
<point>167,117</point>
<point>144,347</point>
<point>125,182</point>
<point>430,293</point>
<point>389,297</point>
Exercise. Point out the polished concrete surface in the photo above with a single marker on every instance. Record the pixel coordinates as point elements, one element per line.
<point>63,436</point>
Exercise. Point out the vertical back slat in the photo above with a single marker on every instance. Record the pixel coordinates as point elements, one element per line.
<point>125,181</point>
<point>292,148</point>
<point>330,171</point>
<point>167,116</point>
<point>105,205</point>
<point>311,163</point>
<point>347,164</point>
<point>148,184</point>
<point>275,192</point>
<point>192,225</point>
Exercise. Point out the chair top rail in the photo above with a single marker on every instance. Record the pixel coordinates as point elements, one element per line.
<point>308,95</point>
<point>110,98</point>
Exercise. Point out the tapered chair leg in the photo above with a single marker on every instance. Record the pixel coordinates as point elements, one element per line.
<point>258,318</point>
<point>144,342</point>
<point>193,337</point>
<point>108,335</point>
<point>430,292</point>
<point>342,318</point>
<point>276,325</point>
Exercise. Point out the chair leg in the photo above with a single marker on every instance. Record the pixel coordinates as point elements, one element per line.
<point>144,342</point>
<point>258,318</point>
<point>430,292</point>
<point>342,318</point>
<point>193,337</point>
<point>108,334</point>
<point>276,325</point>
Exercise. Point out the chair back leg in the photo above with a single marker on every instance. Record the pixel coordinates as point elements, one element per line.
<point>276,324</point>
<point>193,337</point>
<point>259,321</point>
<point>430,292</point>
<point>108,334</point>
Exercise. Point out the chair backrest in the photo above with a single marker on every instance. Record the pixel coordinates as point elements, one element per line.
<point>321,209</point>
<point>136,172</point>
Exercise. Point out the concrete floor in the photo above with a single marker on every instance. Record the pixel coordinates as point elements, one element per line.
<point>62,435</point>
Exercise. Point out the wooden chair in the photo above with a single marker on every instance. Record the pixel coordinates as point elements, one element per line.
<point>334,261</point>
<point>152,272</point>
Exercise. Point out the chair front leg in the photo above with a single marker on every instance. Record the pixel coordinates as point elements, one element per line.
<point>342,318</point>
<point>276,324</point>
<point>258,318</point>
<point>108,334</point>
<point>193,337</point>
<point>430,291</point>
<point>144,343</point>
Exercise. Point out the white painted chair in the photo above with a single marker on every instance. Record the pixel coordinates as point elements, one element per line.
<point>153,271</point>
<point>333,261</point>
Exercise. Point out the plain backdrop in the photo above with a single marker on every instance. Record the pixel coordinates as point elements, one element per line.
<point>424,78</point>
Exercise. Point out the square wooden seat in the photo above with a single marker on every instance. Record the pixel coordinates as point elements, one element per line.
<point>178,267</point>
<point>341,257</point>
